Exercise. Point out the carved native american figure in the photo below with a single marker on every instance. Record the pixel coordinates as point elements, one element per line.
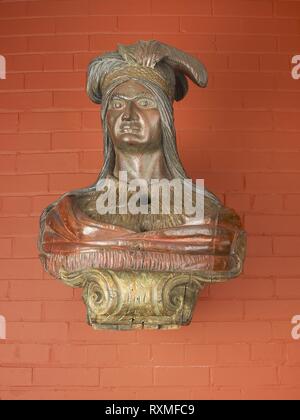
<point>140,270</point>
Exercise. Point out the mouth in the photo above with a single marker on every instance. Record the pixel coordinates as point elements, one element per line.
<point>132,129</point>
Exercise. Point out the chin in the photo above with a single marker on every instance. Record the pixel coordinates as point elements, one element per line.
<point>132,139</point>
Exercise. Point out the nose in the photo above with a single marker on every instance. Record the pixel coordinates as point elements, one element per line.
<point>129,113</point>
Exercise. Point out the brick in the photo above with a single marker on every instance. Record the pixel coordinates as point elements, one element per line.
<point>72,100</point>
<point>198,354</point>
<point>273,100</point>
<point>91,121</point>
<point>259,246</point>
<point>150,24</point>
<point>244,62</point>
<point>268,203</point>
<point>274,183</point>
<point>288,246</point>
<point>38,332</point>
<point>268,266</point>
<point>102,356</point>
<point>287,8</point>
<point>65,377</point>
<point>208,311</point>
<point>21,311</point>
<point>9,122</point>
<point>81,332</point>
<point>271,394</point>
<point>193,43</point>
<point>272,353</point>
<point>15,206</point>
<point>25,101</point>
<point>271,310</point>
<point>58,43</point>
<point>292,202</point>
<point>63,183</point>
<point>24,63</point>
<point>286,120</point>
<point>244,80</point>
<point>7,164</point>
<point>161,393</point>
<point>243,8</point>
<point>217,120</point>
<point>221,181</point>
<point>34,290</point>
<point>5,248</point>
<point>53,62</point>
<point>82,60</point>
<point>25,247</point>
<point>77,141</point>
<point>282,330</point>
<point>56,8</point>
<point>289,375</point>
<point>48,163</point>
<point>26,26</point>
<point>3,290</point>
<point>14,81</point>
<point>47,121</point>
<point>270,26</point>
<point>68,355</point>
<point>189,7</point>
<point>167,354</point>
<point>18,225</point>
<point>51,80</point>
<point>239,161</point>
<point>126,377</point>
<point>237,332</point>
<point>239,202</point>
<point>15,45</point>
<point>271,224</point>
<point>207,99</point>
<point>275,62</point>
<point>233,353</point>
<point>23,354</point>
<point>287,288</point>
<point>64,311</point>
<point>86,24</point>
<point>284,81</point>
<point>11,10</point>
<point>244,376</point>
<point>39,203</point>
<point>200,24</point>
<point>293,354</point>
<point>24,142</point>
<point>20,269</point>
<point>90,161</point>
<point>246,43</point>
<point>15,377</point>
<point>181,376</point>
<point>119,7</point>
<point>133,354</point>
<point>243,288</point>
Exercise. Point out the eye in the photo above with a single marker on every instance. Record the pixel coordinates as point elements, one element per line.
<point>146,103</point>
<point>117,104</point>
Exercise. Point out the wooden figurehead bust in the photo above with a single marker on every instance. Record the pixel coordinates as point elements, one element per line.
<point>140,269</point>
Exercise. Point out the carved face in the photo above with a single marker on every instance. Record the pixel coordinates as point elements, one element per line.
<point>133,118</point>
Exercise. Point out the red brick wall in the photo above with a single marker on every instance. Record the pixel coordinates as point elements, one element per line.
<point>242,134</point>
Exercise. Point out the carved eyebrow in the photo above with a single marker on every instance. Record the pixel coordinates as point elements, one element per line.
<point>141,95</point>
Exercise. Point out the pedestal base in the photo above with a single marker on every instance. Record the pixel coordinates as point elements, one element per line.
<point>136,300</point>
